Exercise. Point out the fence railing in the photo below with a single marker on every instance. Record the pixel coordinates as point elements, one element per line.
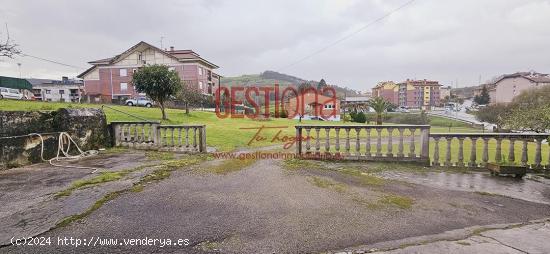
<point>152,135</point>
<point>366,142</point>
<point>401,143</point>
<point>506,148</point>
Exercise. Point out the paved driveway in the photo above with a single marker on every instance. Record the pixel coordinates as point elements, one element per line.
<point>266,208</point>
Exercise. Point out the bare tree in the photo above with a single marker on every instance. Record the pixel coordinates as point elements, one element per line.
<point>8,48</point>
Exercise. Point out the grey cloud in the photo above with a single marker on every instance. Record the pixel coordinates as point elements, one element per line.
<point>443,40</point>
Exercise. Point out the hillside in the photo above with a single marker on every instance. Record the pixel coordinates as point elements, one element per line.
<point>464,92</point>
<point>271,77</point>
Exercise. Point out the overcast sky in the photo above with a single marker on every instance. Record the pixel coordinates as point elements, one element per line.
<point>445,40</point>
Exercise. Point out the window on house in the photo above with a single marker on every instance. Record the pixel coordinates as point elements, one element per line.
<point>140,57</point>
<point>200,85</point>
<point>200,71</point>
<point>123,72</point>
<point>48,91</point>
<point>61,91</point>
<point>123,86</point>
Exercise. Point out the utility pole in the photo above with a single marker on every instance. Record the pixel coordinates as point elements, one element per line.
<point>19,66</point>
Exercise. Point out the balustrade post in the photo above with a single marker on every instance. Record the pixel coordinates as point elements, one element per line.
<point>155,132</point>
<point>448,162</point>
<point>379,142</point>
<point>136,133</point>
<point>202,147</point>
<point>122,133</point>
<point>425,143</point>
<point>150,133</point>
<point>165,135</point>
<point>524,156</point>
<point>485,155</point>
<point>460,162</point>
<point>195,138</point>
<point>473,152</point>
<point>327,140</point>
<point>187,137</point>
<point>357,142</point>
<point>299,140</point>
<point>142,137</point>
<point>412,153</point>
<point>511,152</point>
<point>317,141</point>
<point>538,153</point>
<point>400,147</point>
<point>308,140</point>
<point>498,150</point>
<point>436,152</point>
<point>390,142</point>
<point>116,130</point>
<point>180,137</point>
<point>337,145</point>
<point>367,146</point>
<point>172,131</point>
<point>347,142</point>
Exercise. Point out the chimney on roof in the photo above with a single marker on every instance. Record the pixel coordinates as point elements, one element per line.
<point>171,48</point>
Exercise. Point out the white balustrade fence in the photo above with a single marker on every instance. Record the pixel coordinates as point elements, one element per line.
<point>152,135</point>
<point>366,142</point>
<point>400,143</point>
<point>451,149</point>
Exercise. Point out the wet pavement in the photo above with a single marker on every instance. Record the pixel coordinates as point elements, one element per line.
<point>265,208</point>
<point>27,194</point>
<point>531,188</point>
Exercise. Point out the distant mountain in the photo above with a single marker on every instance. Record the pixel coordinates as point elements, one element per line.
<point>271,77</point>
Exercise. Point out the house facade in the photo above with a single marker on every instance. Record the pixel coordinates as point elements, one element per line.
<point>110,79</point>
<point>387,90</point>
<point>416,94</point>
<point>64,90</point>
<point>323,106</point>
<point>444,92</point>
<point>507,87</point>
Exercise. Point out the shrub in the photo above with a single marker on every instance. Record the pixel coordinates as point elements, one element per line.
<point>360,118</point>
<point>494,114</point>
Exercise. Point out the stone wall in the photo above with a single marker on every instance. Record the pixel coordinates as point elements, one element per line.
<point>88,127</point>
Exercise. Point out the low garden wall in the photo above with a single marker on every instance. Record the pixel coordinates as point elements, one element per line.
<point>87,127</point>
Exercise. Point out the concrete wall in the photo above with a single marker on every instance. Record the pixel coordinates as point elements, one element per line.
<point>88,127</point>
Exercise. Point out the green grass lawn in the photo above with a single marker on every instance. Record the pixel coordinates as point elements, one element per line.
<point>224,134</point>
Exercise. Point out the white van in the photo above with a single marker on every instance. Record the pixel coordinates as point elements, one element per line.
<point>10,93</point>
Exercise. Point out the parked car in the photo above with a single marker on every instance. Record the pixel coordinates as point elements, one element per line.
<point>9,93</point>
<point>144,102</point>
<point>317,118</point>
<point>403,109</point>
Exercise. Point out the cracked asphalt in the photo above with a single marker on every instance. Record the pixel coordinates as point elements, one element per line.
<point>265,208</point>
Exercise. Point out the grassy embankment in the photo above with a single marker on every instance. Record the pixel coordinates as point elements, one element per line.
<point>226,134</point>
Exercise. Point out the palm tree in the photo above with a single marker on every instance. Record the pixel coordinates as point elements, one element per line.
<point>379,105</point>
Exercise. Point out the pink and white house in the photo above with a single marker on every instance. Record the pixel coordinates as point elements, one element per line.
<point>110,79</point>
<point>508,86</point>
